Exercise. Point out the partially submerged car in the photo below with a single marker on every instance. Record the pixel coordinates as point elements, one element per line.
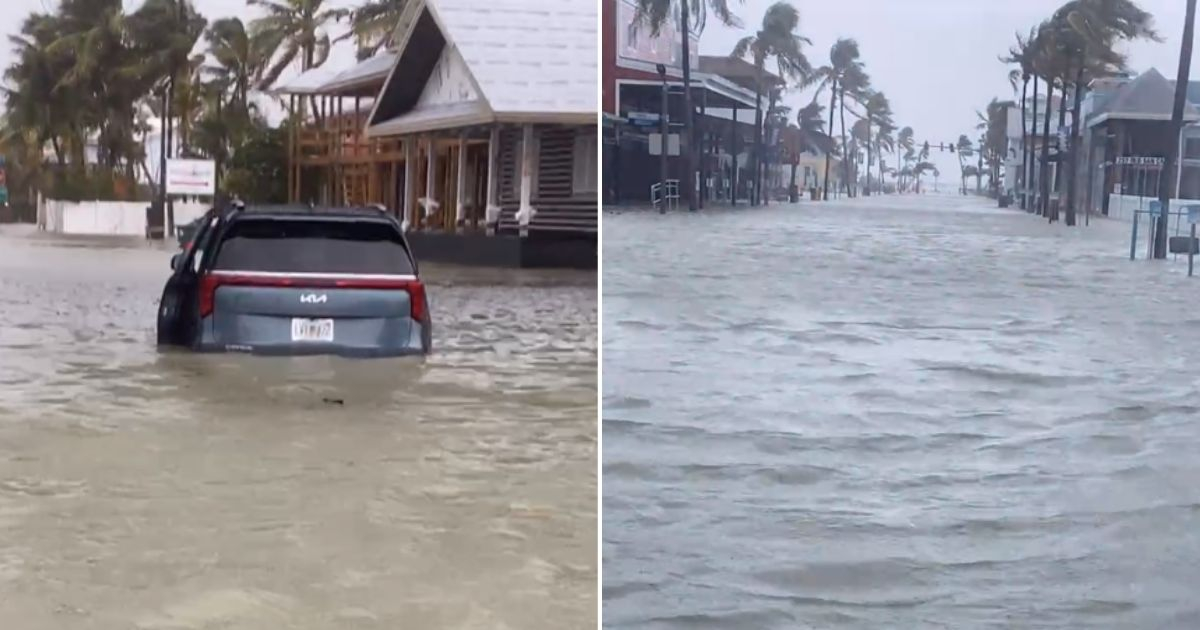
<point>297,280</point>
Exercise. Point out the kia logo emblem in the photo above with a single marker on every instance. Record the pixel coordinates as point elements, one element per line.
<point>313,298</point>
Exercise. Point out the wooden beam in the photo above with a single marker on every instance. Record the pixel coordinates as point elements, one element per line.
<point>525,212</point>
<point>492,207</point>
<point>430,203</point>
<point>410,179</point>
<point>460,211</point>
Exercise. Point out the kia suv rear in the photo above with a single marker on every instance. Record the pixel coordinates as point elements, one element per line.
<point>297,281</point>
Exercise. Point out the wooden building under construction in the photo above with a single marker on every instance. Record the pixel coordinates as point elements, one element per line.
<point>479,131</point>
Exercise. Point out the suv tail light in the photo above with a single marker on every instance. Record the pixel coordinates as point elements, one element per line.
<point>210,282</point>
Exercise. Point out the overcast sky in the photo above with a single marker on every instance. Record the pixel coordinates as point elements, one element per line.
<point>935,59</point>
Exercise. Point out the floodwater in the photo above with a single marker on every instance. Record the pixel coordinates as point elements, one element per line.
<point>896,412</point>
<point>151,491</point>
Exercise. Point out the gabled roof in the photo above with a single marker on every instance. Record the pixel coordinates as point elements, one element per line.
<point>484,61</point>
<point>1148,97</point>
<point>365,76</point>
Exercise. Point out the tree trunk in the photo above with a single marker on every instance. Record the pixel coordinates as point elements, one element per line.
<point>845,145</point>
<point>1044,170</point>
<point>1059,180</point>
<point>1024,91</point>
<point>756,197</point>
<point>832,107</point>
<point>792,184</point>
<point>58,151</point>
<point>979,168</point>
<point>1030,161</point>
<point>867,190</point>
<point>1073,147</point>
<point>689,157</point>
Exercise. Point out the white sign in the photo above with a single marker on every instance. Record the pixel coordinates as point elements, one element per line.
<point>655,140</point>
<point>1139,160</point>
<point>191,177</point>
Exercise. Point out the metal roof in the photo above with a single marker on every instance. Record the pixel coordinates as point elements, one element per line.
<point>523,60</point>
<point>327,80</point>
<point>1148,97</point>
<point>527,56</point>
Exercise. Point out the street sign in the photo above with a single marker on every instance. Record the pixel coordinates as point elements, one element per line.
<point>1193,214</point>
<point>191,177</point>
<point>1155,208</point>
<point>1139,160</point>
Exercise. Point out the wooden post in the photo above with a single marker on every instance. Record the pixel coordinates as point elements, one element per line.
<point>525,212</point>
<point>491,215</point>
<point>460,210</point>
<point>410,178</point>
<point>430,204</point>
<point>291,181</point>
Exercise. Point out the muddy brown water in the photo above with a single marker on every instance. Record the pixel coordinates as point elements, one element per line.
<point>150,490</point>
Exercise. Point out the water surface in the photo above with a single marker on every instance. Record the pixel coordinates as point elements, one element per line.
<point>153,490</point>
<point>896,412</point>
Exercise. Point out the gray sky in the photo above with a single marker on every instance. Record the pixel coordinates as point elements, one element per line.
<point>936,59</point>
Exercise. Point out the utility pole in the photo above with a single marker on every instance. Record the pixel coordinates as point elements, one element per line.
<point>1167,182</point>
<point>689,179</point>
<point>664,128</point>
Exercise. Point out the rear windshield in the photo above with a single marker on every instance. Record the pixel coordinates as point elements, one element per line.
<point>313,247</point>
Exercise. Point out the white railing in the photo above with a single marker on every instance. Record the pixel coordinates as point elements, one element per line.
<point>665,195</point>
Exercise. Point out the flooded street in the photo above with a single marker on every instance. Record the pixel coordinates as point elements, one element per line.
<point>154,491</point>
<point>896,412</point>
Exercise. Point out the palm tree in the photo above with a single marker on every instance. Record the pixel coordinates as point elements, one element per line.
<point>1023,55</point>
<point>810,131</point>
<point>965,149</point>
<point>777,39</point>
<point>655,13</point>
<point>239,62</point>
<point>878,109</point>
<point>857,84</point>
<point>1095,28</point>
<point>373,25</point>
<point>843,62</point>
<point>296,29</point>
<point>905,142</point>
<point>884,142</point>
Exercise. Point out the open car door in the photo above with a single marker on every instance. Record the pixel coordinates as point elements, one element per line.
<point>177,306</point>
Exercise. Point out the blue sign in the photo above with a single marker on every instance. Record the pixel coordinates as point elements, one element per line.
<point>1193,214</point>
<point>1155,208</point>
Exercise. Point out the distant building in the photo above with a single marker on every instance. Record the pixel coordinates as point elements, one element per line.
<point>632,97</point>
<point>1126,132</point>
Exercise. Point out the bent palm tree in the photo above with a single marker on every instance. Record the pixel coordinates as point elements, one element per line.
<point>779,40</point>
<point>1023,55</point>
<point>373,25</point>
<point>296,30</point>
<point>843,63</point>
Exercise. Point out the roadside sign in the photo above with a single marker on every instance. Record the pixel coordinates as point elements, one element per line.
<point>1155,208</point>
<point>1139,160</point>
<point>191,177</point>
<point>1193,214</point>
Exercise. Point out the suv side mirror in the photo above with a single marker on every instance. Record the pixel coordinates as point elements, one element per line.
<point>175,261</point>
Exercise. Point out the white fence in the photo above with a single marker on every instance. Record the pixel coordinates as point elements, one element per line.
<point>106,218</point>
<point>1123,206</point>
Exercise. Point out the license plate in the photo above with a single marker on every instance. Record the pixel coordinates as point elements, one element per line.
<point>312,329</point>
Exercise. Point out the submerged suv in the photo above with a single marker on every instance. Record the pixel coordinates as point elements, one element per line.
<point>293,280</point>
